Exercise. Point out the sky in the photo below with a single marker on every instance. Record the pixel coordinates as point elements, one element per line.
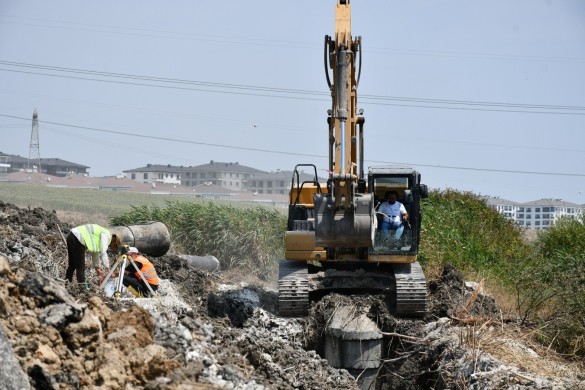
<point>486,96</point>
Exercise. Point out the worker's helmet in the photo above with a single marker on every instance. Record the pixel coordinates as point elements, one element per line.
<point>132,250</point>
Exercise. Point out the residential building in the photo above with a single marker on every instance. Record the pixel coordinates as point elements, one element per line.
<point>541,214</point>
<point>538,214</point>
<point>503,206</point>
<point>4,164</point>
<point>51,166</point>
<point>278,182</point>
<point>155,173</point>
<point>230,175</point>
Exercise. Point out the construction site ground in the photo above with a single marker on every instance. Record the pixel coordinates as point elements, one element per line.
<point>220,331</point>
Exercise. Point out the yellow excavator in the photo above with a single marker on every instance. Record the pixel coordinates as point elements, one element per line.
<point>334,241</point>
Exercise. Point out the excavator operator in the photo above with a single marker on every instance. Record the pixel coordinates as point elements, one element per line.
<point>394,215</point>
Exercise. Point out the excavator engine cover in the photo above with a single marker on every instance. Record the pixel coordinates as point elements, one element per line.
<point>350,227</point>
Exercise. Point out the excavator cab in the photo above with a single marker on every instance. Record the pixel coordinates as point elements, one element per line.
<point>405,182</point>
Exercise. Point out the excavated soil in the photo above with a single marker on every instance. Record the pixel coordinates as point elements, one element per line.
<point>205,332</point>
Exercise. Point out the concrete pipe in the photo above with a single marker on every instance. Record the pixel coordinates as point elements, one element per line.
<point>152,239</point>
<point>206,263</point>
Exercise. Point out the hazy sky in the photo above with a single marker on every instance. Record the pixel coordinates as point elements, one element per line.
<point>485,96</point>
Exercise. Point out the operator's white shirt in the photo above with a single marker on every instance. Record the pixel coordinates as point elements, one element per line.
<point>393,211</point>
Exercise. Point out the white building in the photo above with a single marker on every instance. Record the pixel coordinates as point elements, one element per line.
<point>504,206</point>
<point>538,214</point>
<point>155,173</point>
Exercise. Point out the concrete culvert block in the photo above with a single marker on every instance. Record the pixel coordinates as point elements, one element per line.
<point>352,340</point>
<point>206,263</point>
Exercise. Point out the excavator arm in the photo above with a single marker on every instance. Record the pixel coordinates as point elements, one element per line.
<point>344,215</point>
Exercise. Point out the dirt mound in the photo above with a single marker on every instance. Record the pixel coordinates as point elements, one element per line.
<point>64,336</point>
<point>59,341</point>
<point>32,239</point>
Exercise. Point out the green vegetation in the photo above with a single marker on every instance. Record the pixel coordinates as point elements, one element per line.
<point>560,282</point>
<point>458,228</point>
<point>247,238</point>
<point>545,279</point>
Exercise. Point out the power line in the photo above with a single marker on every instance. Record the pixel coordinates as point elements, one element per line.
<point>298,94</point>
<point>239,40</point>
<point>163,86</point>
<point>169,139</point>
<point>162,79</point>
<point>172,139</point>
<point>309,130</point>
<point>141,32</point>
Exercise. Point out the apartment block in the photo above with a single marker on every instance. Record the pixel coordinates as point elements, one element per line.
<point>538,214</point>
<point>232,175</point>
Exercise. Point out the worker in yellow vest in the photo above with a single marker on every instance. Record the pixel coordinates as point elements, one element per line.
<point>94,239</point>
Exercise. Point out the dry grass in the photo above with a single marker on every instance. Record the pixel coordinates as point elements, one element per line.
<point>515,346</point>
<point>504,298</point>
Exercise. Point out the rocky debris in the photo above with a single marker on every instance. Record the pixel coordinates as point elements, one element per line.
<point>32,239</point>
<point>240,303</point>
<point>450,294</point>
<point>203,332</point>
<point>11,374</point>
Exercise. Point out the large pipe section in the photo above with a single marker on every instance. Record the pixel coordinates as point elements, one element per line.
<point>152,239</point>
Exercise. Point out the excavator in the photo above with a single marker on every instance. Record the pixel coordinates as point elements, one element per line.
<point>333,241</point>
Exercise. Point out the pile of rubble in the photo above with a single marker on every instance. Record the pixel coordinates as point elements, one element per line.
<point>205,333</point>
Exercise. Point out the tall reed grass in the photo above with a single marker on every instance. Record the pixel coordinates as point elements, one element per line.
<point>248,238</point>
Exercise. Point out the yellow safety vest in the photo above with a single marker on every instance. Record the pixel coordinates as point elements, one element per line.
<point>90,233</point>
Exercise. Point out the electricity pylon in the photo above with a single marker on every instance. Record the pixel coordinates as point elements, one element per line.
<point>34,153</point>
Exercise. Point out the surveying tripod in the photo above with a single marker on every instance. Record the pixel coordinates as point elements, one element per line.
<point>120,265</point>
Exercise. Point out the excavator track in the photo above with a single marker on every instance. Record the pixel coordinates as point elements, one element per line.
<point>293,289</point>
<point>405,285</point>
<point>411,290</point>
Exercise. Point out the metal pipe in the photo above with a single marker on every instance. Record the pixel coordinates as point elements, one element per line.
<point>360,122</point>
<point>341,85</point>
<point>121,274</point>
<point>342,146</point>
